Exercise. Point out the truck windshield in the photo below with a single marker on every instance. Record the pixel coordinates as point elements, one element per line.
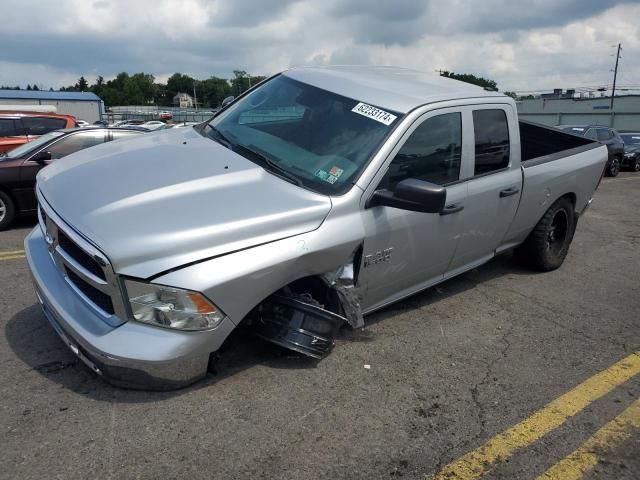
<point>302,133</point>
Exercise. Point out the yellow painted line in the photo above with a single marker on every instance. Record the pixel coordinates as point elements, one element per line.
<point>481,460</point>
<point>11,255</point>
<point>11,252</point>
<point>585,457</point>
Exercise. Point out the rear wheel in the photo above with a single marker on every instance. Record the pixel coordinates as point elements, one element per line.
<point>614,167</point>
<point>635,164</point>
<point>7,211</point>
<point>547,245</point>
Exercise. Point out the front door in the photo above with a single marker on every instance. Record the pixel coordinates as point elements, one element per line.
<point>407,251</point>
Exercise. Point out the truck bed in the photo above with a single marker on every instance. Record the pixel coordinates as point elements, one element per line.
<point>553,163</point>
<point>541,144</point>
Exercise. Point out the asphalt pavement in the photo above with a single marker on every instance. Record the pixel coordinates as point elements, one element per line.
<point>499,373</point>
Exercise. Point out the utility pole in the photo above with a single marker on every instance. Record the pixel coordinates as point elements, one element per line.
<point>615,76</point>
<point>195,99</point>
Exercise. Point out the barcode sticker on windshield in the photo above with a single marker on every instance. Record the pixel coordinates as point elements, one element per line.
<point>374,113</point>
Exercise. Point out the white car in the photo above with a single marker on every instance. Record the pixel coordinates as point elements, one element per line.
<point>154,125</point>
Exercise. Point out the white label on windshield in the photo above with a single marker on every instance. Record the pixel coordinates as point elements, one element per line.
<point>374,113</point>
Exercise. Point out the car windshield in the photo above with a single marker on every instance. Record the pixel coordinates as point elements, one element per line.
<point>26,148</point>
<point>575,130</point>
<point>631,138</point>
<point>315,138</point>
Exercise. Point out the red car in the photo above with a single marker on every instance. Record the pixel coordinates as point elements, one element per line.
<point>19,167</point>
<point>17,128</point>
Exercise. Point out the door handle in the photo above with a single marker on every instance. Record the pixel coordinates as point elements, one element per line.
<point>509,191</point>
<point>453,208</point>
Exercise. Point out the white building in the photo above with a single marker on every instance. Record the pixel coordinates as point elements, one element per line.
<point>183,100</point>
<point>625,114</point>
<point>82,105</point>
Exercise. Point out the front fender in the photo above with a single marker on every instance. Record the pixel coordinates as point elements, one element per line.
<point>239,281</point>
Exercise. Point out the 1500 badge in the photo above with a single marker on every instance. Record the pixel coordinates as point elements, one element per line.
<point>378,257</point>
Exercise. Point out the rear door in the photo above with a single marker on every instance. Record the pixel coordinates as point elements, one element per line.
<point>494,186</point>
<point>407,251</point>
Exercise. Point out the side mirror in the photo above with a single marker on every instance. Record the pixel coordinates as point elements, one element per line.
<point>227,101</point>
<point>41,157</point>
<point>414,195</point>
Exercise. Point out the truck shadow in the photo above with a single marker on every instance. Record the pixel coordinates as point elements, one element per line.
<point>35,342</point>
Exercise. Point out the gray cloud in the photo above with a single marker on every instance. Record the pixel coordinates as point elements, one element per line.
<point>499,39</point>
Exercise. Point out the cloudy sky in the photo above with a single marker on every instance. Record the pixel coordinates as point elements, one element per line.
<point>523,45</point>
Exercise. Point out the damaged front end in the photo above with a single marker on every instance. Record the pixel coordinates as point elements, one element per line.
<point>307,315</point>
<point>299,324</point>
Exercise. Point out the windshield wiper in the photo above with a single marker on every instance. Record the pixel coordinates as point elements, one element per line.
<point>221,138</point>
<point>270,165</point>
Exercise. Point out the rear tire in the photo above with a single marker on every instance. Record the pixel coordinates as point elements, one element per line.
<point>635,165</point>
<point>7,211</point>
<point>547,245</point>
<point>614,167</point>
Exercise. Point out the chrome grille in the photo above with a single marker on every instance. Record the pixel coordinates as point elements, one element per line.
<point>83,266</point>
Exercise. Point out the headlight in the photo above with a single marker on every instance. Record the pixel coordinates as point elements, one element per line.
<point>171,307</point>
<point>629,154</point>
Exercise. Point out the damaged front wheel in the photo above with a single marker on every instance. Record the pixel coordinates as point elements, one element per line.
<point>299,324</point>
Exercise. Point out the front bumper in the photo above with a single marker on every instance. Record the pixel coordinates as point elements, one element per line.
<point>131,355</point>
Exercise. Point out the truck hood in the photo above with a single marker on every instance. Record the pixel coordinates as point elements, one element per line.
<point>161,200</point>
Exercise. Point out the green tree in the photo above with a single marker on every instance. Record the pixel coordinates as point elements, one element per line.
<point>179,83</point>
<point>487,84</point>
<point>82,85</point>
<point>213,91</point>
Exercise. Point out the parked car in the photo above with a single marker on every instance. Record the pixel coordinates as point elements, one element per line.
<point>154,125</point>
<point>121,123</point>
<point>606,135</point>
<point>631,157</point>
<point>184,124</point>
<point>381,182</point>
<point>19,167</point>
<point>17,128</point>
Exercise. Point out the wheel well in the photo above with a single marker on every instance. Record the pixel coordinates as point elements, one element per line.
<point>572,197</point>
<point>313,285</point>
<point>9,194</point>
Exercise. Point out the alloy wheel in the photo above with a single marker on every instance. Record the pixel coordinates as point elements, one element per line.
<point>558,231</point>
<point>615,167</point>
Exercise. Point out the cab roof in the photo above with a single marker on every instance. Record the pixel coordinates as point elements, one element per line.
<point>394,88</point>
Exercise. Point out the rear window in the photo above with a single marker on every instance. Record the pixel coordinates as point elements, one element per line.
<point>604,134</point>
<point>10,127</point>
<point>42,125</point>
<point>491,132</point>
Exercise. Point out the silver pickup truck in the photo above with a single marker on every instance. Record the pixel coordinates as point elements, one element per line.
<point>317,197</point>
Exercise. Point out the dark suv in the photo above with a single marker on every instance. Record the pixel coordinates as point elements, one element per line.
<point>19,167</point>
<point>631,150</point>
<point>606,135</point>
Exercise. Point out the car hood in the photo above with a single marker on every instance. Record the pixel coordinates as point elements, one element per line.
<point>631,148</point>
<point>162,200</point>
